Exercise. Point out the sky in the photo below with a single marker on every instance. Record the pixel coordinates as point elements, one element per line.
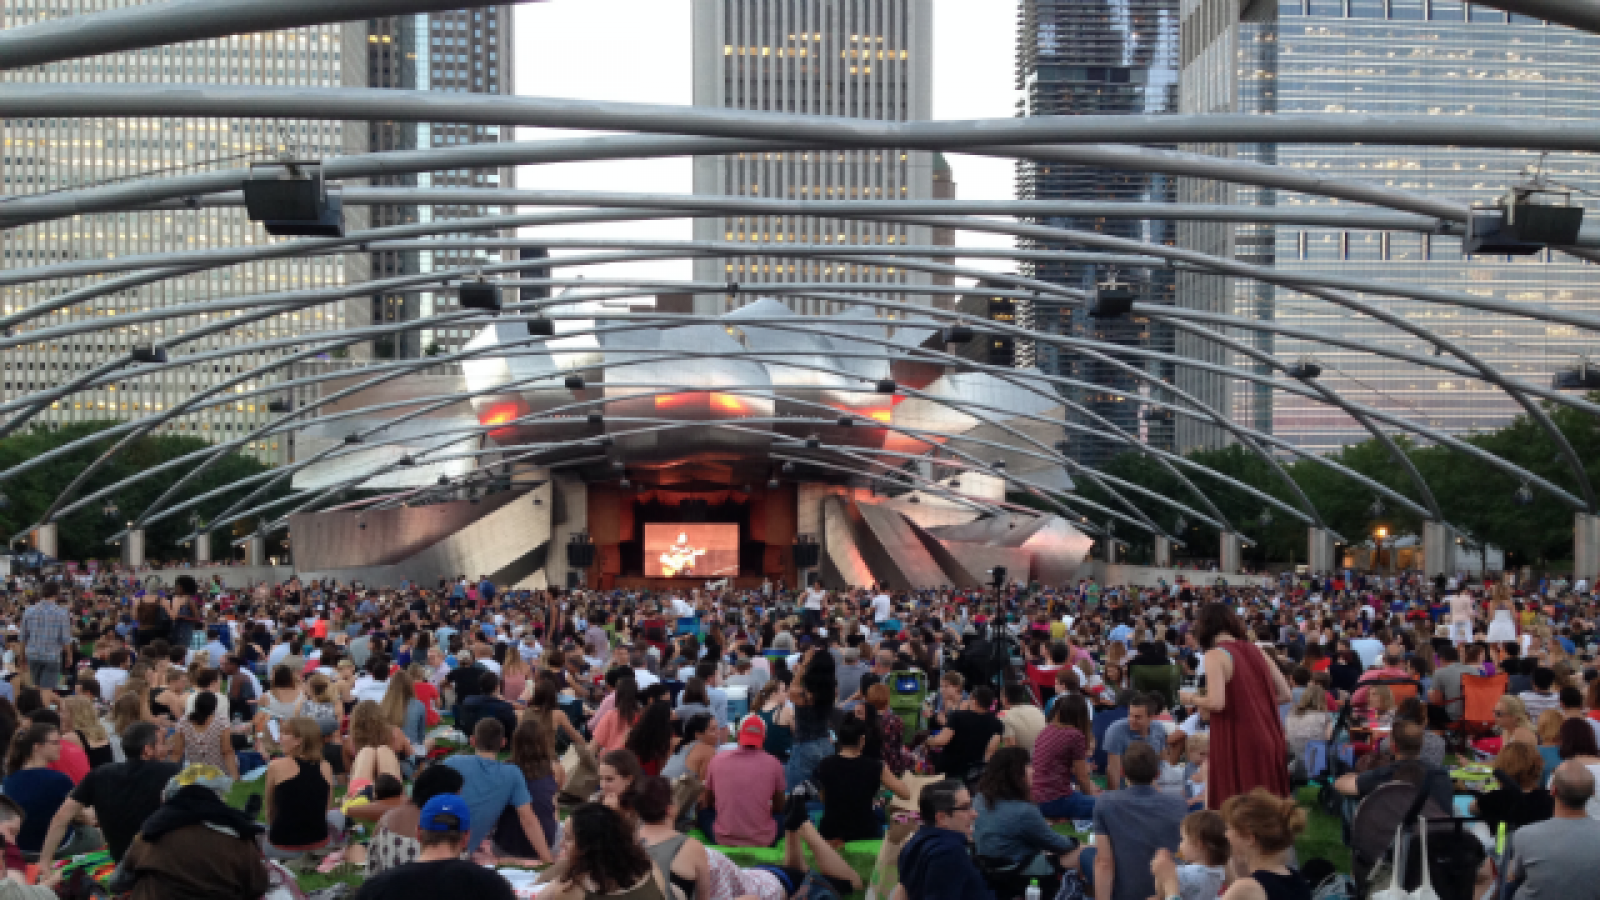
<point>639,51</point>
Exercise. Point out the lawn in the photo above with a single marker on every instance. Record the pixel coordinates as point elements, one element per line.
<point>1322,838</point>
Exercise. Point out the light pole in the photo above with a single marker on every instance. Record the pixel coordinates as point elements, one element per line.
<point>1377,556</point>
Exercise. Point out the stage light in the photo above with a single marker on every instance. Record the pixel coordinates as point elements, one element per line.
<point>444,481</point>
<point>773,484</point>
<point>956,334</point>
<point>541,326</point>
<point>813,443</point>
<point>149,353</point>
<point>298,206</point>
<point>1582,377</point>
<point>886,386</point>
<point>480,295</point>
<point>846,421</point>
<point>574,382</point>
<point>624,484</point>
<point>407,461</point>
<point>1305,370</point>
<point>279,406</point>
<point>607,441</point>
<point>1111,301</point>
<point>618,465</point>
<point>352,438</point>
<point>788,468</point>
<point>596,419</point>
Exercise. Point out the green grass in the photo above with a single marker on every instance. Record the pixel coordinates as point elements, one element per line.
<point>1322,838</point>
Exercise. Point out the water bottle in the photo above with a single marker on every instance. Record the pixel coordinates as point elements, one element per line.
<point>1033,891</point>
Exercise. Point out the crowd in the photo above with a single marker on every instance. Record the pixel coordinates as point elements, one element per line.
<point>1093,740</point>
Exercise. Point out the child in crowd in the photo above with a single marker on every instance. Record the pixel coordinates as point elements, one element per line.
<point>1380,706</point>
<point>1183,768</point>
<point>1204,849</point>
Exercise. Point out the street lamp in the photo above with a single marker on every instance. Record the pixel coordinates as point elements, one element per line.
<point>1377,554</point>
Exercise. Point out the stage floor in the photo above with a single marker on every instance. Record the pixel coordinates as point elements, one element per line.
<point>674,584</point>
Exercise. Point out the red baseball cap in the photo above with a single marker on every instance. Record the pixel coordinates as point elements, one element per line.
<point>752,731</point>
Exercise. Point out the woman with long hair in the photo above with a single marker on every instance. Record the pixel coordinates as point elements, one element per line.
<point>84,727</point>
<point>601,857</point>
<point>651,737</point>
<point>375,747</point>
<point>403,710</point>
<point>128,709</point>
<point>202,738</point>
<point>814,692</point>
<point>544,707</point>
<point>1243,692</point>
<point>620,775</point>
<point>40,791</point>
<point>772,706</point>
<point>1010,826</point>
<point>1577,743</point>
<point>611,730</point>
<point>514,673</point>
<point>299,793</point>
<point>1511,720</point>
<point>1062,787</point>
<point>426,692</point>
<point>701,739</point>
<point>532,755</point>
<point>891,730</point>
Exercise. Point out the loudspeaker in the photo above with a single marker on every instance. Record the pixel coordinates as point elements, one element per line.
<point>580,554</point>
<point>999,573</point>
<point>572,581</point>
<point>806,556</point>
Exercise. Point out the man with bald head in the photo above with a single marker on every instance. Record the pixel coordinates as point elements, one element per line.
<point>1555,858</point>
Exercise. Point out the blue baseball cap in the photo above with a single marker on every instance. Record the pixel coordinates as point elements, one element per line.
<point>445,812</point>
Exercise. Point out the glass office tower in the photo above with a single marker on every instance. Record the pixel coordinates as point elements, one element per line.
<point>1101,57</point>
<point>1400,57</point>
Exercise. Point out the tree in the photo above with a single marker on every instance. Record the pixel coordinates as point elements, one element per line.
<point>83,534</point>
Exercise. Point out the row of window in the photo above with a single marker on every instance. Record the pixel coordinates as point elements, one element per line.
<point>1404,11</point>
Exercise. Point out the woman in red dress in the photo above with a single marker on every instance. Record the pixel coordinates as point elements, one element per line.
<point>1243,692</point>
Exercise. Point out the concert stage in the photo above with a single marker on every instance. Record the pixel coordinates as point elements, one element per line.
<point>848,444</point>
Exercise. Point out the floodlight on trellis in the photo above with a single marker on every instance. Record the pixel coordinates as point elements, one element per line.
<point>1582,377</point>
<point>299,205</point>
<point>480,295</point>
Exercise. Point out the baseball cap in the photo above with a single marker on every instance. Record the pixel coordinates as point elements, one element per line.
<point>752,731</point>
<point>445,812</point>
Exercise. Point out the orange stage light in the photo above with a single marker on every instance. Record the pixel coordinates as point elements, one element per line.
<point>499,414</point>
<point>728,403</point>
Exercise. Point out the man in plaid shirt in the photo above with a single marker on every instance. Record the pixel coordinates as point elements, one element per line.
<point>46,633</point>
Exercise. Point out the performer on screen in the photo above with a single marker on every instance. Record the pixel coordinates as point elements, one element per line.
<point>679,559</point>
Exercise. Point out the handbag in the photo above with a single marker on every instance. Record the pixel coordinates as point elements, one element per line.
<point>1396,889</point>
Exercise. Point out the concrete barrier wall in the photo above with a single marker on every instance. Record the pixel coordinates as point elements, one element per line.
<point>232,576</point>
<point>1149,576</point>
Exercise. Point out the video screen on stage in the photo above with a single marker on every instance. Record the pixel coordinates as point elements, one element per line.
<point>691,549</point>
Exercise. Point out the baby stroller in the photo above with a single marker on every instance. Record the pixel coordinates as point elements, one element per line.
<point>1387,839</point>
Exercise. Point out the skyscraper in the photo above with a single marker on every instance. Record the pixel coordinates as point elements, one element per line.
<point>45,154</point>
<point>1100,57</point>
<point>870,59</point>
<point>1418,57</point>
<point>466,51</point>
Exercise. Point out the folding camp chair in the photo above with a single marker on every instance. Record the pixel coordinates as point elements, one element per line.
<point>1163,680</point>
<point>1479,694</point>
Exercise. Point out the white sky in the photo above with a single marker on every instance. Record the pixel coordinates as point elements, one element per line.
<point>639,51</point>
